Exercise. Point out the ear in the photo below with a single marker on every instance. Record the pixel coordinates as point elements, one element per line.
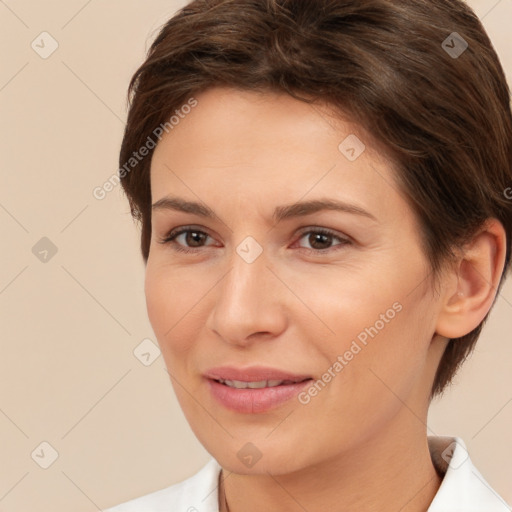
<point>472,283</point>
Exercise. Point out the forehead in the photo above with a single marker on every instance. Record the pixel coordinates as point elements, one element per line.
<point>269,142</point>
<point>243,117</point>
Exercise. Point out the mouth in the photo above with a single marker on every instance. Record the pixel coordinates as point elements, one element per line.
<point>254,374</point>
<point>254,389</point>
<point>259,384</point>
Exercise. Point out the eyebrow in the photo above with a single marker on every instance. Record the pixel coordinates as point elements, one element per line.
<point>284,212</point>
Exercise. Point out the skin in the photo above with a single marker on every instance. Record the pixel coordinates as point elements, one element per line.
<point>361,443</point>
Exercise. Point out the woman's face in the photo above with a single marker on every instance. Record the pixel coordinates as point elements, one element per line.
<point>275,291</point>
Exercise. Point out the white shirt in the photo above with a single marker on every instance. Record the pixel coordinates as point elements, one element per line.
<point>463,489</point>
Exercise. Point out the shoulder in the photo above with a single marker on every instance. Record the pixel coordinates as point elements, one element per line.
<point>463,487</point>
<point>197,493</point>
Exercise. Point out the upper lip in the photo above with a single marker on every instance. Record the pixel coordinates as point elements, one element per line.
<point>252,374</point>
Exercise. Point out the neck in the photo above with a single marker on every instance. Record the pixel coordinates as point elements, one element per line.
<point>384,473</point>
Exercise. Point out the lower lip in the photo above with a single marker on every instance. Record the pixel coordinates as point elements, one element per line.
<point>253,401</point>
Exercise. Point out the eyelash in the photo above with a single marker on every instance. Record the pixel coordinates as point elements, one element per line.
<point>172,235</point>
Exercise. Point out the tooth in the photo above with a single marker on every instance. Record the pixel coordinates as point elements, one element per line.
<point>257,385</point>
<point>238,384</point>
<point>273,383</point>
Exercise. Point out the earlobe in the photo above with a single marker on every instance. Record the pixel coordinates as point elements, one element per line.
<point>473,282</point>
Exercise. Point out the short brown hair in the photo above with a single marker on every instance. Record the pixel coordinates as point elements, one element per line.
<point>445,118</point>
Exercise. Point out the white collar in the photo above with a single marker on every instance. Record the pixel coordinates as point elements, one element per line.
<point>463,488</point>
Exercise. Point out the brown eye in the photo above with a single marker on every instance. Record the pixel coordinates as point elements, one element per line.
<point>192,239</point>
<point>322,240</point>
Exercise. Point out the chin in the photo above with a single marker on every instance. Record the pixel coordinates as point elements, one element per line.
<point>261,456</point>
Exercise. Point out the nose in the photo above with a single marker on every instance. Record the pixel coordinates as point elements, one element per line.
<point>249,303</point>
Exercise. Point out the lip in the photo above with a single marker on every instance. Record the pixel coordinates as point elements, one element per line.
<point>253,401</point>
<point>252,374</point>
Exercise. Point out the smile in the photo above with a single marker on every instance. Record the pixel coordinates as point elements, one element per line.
<point>239,384</point>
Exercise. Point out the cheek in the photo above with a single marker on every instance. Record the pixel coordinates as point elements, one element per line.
<point>157,301</point>
<point>401,363</point>
<point>169,302</point>
<point>347,304</point>
<point>379,330</point>
<point>383,358</point>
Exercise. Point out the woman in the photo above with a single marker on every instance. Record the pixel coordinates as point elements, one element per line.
<point>321,187</point>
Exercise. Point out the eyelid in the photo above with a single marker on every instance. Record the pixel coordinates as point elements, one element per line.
<point>327,231</point>
<point>173,233</point>
<point>344,240</point>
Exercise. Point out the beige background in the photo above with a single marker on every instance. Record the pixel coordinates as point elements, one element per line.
<point>69,327</point>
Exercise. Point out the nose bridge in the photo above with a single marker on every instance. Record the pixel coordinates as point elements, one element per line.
<point>246,301</point>
<point>247,281</point>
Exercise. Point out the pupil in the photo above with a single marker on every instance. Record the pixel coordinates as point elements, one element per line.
<point>192,235</point>
<point>316,236</point>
